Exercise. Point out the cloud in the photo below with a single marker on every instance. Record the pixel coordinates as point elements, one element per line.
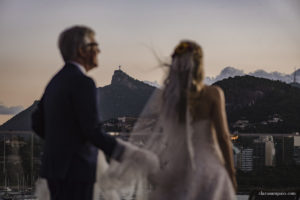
<point>4,110</point>
<point>232,72</point>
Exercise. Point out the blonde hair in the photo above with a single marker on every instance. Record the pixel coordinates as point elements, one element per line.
<point>186,72</point>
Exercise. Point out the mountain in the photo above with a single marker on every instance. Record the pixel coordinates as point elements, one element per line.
<point>125,96</point>
<point>272,76</point>
<point>21,121</point>
<point>232,72</point>
<point>228,72</point>
<point>261,105</point>
<point>295,85</point>
<point>252,104</point>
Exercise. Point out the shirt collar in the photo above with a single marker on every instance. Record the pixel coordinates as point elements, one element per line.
<point>79,66</point>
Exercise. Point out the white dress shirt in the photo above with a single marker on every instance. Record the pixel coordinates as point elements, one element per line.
<point>79,66</point>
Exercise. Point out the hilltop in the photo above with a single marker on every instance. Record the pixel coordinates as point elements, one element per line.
<point>261,105</point>
<point>125,96</point>
<point>254,105</point>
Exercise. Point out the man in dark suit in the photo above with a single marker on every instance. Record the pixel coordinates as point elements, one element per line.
<point>67,119</point>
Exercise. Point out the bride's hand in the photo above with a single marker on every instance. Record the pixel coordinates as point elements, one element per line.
<point>140,159</point>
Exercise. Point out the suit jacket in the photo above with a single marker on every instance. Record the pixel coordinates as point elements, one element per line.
<point>67,118</point>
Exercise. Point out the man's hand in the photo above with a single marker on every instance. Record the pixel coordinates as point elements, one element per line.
<point>138,157</point>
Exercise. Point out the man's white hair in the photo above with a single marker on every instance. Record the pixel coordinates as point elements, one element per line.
<point>73,38</point>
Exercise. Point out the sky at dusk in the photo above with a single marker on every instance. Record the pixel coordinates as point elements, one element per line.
<point>248,35</point>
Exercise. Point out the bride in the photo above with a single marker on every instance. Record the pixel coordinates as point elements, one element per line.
<point>185,126</point>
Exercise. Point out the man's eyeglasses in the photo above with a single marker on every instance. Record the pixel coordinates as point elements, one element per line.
<point>91,44</point>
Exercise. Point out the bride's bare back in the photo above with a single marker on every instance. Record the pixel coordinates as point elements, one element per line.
<point>209,103</point>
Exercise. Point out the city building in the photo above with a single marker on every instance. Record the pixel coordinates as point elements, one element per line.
<point>270,152</point>
<point>246,160</point>
<point>284,147</point>
<point>297,150</point>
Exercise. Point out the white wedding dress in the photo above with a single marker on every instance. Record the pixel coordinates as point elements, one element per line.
<point>207,180</point>
<point>177,178</point>
<point>191,165</point>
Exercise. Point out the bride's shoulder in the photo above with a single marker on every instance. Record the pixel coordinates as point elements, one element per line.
<point>207,92</point>
<point>215,92</point>
<point>213,89</point>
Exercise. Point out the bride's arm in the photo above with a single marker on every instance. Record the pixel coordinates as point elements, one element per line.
<point>220,122</point>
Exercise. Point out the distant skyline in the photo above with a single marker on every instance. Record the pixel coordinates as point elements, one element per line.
<point>248,35</point>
